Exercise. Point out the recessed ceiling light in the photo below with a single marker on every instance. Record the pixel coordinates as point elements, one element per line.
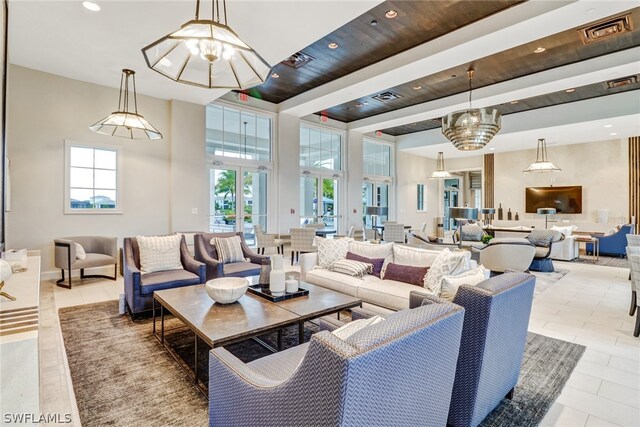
<point>608,126</point>
<point>373,22</point>
<point>417,87</point>
<point>93,7</point>
<point>413,124</point>
<point>359,105</point>
<point>514,102</point>
<point>492,149</point>
<point>365,102</point>
<point>613,133</point>
<point>275,75</point>
<point>332,45</point>
<point>539,50</point>
<point>570,90</point>
<point>391,14</point>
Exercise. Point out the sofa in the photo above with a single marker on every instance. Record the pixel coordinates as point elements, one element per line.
<point>385,293</point>
<point>206,253</point>
<point>613,244</point>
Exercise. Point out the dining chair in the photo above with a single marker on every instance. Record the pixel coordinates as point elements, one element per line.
<point>302,241</point>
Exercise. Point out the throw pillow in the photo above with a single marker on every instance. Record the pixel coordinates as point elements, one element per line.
<point>370,250</point>
<point>450,284</point>
<point>447,263</point>
<point>377,263</point>
<point>407,255</point>
<point>330,250</point>
<point>159,253</point>
<point>406,273</point>
<point>541,238</point>
<point>351,328</point>
<point>566,230</point>
<point>229,249</point>
<point>471,233</point>
<point>80,253</point>
<point>351,267</point>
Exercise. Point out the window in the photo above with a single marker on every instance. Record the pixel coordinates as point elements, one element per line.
<point>238,134</point>
<point>93,178</point>
<point>420,197</point>
<point>377,159</point>
<point>320,149</point>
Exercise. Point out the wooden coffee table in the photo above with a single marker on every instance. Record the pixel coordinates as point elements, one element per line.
<point>218,325</point>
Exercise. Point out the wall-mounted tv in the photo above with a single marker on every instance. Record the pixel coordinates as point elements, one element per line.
<point>566,200</point>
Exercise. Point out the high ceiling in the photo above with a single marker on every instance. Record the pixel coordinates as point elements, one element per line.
<point>421,55</point>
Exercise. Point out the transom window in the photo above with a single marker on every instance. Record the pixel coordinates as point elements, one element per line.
<point>320,149</point>
<point>377,159</point>
<point>237,133</point>
<point>93,179</point>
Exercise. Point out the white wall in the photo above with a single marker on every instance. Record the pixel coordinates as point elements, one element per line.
<point>354,174</point>
<point>412,170</point>
<point>288,179</point>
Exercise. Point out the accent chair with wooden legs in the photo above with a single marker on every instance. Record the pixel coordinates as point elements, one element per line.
<point>94,251</point>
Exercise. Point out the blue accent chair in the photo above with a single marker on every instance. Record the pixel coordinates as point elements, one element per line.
<point>613,244</point>
<point>379,376</point>
<point>138,289</point>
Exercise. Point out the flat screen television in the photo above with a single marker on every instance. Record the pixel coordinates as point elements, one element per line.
<point>566,200</point>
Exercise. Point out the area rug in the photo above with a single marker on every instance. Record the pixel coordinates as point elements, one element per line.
<point>122,376</point>
<point>545,280</point>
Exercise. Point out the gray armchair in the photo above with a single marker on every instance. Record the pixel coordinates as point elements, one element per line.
<point>100,250</point>
<point>544,240</point>
<point>206,253</point>
<point>375,377</point>
<point>139,289</point>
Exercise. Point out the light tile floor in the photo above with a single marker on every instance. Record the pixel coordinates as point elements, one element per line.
<point>588,306</point>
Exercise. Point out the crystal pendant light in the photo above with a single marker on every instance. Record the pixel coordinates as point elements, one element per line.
<point>473,128</point>
<point>207,53</point>
<point>440,173</point>
<point>542,164</point>
<point>124,122</point>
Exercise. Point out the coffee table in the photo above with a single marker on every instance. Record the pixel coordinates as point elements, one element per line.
<point>218,325</point>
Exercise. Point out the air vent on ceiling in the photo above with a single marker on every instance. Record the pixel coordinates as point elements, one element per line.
<point>606,29</point>
<point>624,81</point>
<point>298,60</point>
<point>386,96</point>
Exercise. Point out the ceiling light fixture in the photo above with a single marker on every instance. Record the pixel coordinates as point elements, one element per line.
<point>208,53</point>
<point>492,149</point>
<point>539,50</point>
<point>473,128</point>
<point>275,75</point>
<point>613,133</point>
<point>417,87</point>
<point>391,14</point>
<point>440,173</point>
<point>332,45</point>
<point>125,123</point>
<point>542,163</point>
<point>608,126</point>
<point>570,90</point>
<point>93,7</point>
<point>514,102</point>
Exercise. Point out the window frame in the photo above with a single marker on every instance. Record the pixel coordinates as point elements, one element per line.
<point>343,143</point>
<point>119,209</point>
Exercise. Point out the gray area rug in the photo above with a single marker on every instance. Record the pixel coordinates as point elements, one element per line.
<point>122,376</point>
<point>546,280</point>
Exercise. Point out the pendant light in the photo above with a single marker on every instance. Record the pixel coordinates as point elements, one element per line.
<point>207,53</point>
<point>440,173</point>
<point>124,122</point>
<point>473,128</point>
<point>542,164</point>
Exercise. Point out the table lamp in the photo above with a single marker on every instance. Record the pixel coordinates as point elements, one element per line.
<point>462,213</point>
<point>375,212</point>
<point>546,212</point>
<point>486,212</point>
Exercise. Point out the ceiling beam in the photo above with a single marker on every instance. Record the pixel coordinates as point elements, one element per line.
<point>521,24</point>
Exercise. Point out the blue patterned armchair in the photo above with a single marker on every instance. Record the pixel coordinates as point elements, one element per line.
<point>614,244</point>
<point>378,376</point>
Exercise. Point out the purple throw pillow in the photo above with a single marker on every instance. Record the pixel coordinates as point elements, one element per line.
<point>406,273</point>
<point>376,262</point>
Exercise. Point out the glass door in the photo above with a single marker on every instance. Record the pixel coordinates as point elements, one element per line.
<point>375,194</point>
<point>223,194</point>
<point>319,200</point>
<point>255,201</point>
<point>451,200</point>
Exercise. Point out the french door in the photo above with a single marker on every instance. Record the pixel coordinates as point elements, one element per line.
<point>375,193</point>
<point>320,200</point>
<point>238,200</point>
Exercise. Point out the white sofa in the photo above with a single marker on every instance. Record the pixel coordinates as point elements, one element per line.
<point>388,294</point>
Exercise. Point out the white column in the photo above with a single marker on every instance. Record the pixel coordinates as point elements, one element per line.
<point>288,177</point>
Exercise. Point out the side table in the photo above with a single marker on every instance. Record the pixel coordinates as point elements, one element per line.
<point>593,240</point>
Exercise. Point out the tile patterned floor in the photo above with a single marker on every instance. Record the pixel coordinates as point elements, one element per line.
<point>588,306</point>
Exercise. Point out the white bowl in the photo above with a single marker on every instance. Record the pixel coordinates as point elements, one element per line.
<point>226,290</point>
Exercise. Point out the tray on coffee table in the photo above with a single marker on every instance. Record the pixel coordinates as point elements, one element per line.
<point>266,293</point>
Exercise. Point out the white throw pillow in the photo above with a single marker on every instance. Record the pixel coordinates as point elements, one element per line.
<point>229,249</point>
<point>450,284</point>
<point>330,250</point>
<point>351,267</point>
<point>371,250</point>
<point>417,257</point>
<point>80,253</point>
<point>446,264</point>
<point>159,253</point>
<point>566,230</point>
<point>351,328</point>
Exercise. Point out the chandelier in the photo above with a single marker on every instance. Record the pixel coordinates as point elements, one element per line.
<point>542,164</point>
<point>440,173</point>
<point>124,122</point>
<point>473,128</point>
<point>207,53</point>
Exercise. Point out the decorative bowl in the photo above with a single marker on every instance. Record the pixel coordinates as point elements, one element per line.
<point>226,290</point>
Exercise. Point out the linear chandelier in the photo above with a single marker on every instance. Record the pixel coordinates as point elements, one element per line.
<point>125,123</point>
<point>207,53</point>
<point>473,128</point>
<point>542,163</point>
<point>440,173</point>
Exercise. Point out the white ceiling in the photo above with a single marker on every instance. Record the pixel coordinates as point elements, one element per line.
<point>64,38</point>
